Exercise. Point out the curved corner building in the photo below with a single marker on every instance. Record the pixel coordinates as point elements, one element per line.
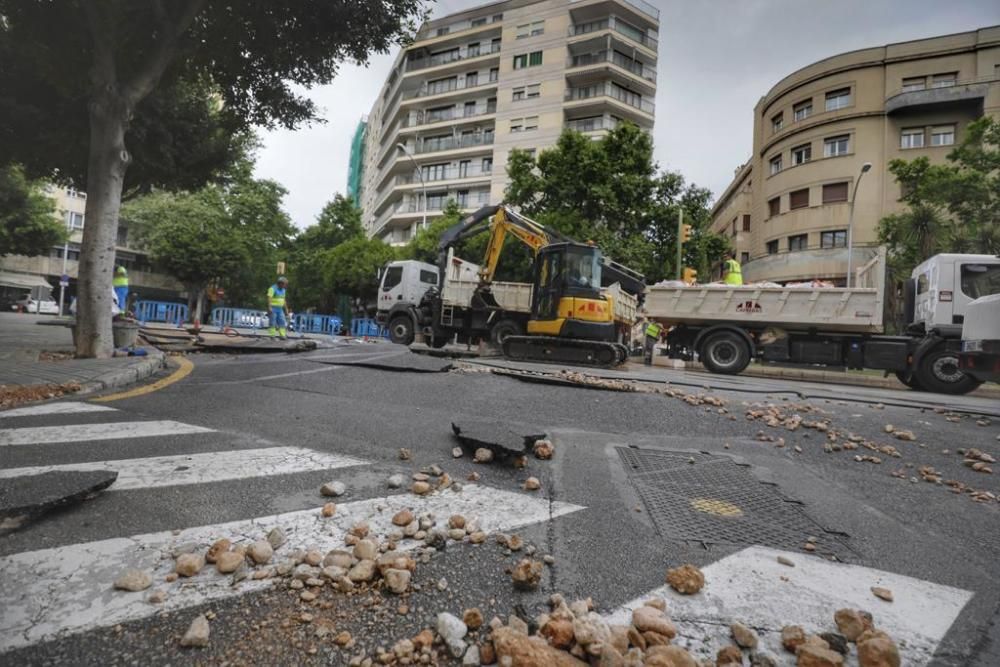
<point>788,207</point>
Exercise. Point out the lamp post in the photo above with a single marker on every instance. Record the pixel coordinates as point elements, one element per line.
<point>850,223</point>
<point>423,186</point>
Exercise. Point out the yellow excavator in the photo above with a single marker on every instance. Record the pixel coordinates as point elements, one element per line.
<point>573,316</point>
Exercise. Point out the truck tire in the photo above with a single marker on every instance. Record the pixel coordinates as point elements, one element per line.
<point>939,371</point>
<point>909,379</point>
<point>401,330</point>
<point>504,328</point>
<point>439,340</point>
<point>725,352</point>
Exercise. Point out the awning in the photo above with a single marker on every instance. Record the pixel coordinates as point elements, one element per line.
<point>23,280</point>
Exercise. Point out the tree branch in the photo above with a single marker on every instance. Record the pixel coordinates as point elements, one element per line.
<point>164,50</point>
<point>103,72</point>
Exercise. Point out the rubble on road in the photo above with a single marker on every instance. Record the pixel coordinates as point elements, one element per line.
<point>18,394</point>
<point>496,437</point>
<point>686,579</point>
<point>197,633</point>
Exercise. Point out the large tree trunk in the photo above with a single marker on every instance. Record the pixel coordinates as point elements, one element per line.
<point>106,167</point>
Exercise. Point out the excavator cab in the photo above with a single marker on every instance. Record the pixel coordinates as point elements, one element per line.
<point>567,300</point>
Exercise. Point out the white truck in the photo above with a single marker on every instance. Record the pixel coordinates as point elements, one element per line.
<point>980,355</point>
<point>727,327</point>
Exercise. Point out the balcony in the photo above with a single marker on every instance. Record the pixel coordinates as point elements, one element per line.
<point>453,143</point>
<point>482,23</point>
<point>968,92</point>
<point>601,57</point>
<point>593,124</point>
<point>424,117</point>
<point>618,26</point>
<point>449,173</point>
<point>412,207</point>
<point>456,55</point>
<point>450,86</point>
<point>608,89</point>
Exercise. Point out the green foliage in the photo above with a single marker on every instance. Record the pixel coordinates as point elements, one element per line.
<point>351,268</point>
<point>28,221</point>
<point>952,207</point>
<point>337,223</point>
<point>424,244</point>
<point>610,192</point>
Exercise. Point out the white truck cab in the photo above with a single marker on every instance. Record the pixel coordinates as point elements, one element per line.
<point>946,284</point>
<point>402,286</point>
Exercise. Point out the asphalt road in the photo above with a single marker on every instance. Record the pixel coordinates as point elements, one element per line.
<point>640,482</point>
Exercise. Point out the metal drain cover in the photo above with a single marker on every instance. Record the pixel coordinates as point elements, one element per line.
<point>714,500</point>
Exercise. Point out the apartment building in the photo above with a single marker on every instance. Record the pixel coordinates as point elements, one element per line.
<point>41,273</point>
<point>788,207</point>
<point>356,166</point>
<point>478,83</point>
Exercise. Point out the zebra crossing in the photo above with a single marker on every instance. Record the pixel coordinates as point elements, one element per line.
<point>63,590</point>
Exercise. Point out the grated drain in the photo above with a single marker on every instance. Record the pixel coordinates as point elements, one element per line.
<point>694,497</point>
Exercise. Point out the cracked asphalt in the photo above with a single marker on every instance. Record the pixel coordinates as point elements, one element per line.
<point>614,550</point>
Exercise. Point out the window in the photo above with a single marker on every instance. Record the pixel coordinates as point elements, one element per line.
<point>530,29</point>
<point>434,172</point>
<point>469,109</point>
<point>802,154</point>
<point>834,192</point>
<point>798,242</point>
<point>838,99</point>
<point>442,85</point>
<point>912,138</point>
<point>441,32</point>
<point>73,255</point>
<point>744,257</point>
<point>463,168</point>
<point>462,197</point>
<point>436,200</point>
<point>944,80</point>
<point>803,110</point>
<point>777,122</point>
<point>494,74</point>
<point>393,276</point>
<point>516,125</point>
<point>775,164</point>
<point>774,207</point>
<point>487,165</point>
<point>491,105</point>
<point>734,227</point>
<point>440,113</point>
<point>497,18</point>
<point>428,277</point>
<point>746,223</point>
<point>520,93</point>
<point>521,61</point>
<point>74,220</point>
<point>534,90</point>
<point>835,239</point>
<point>517,94</point>
<point>530,123</point>
<point>472,50</point>
<point>912,83</point>
<point>798,199</point>
<point>534,58</point>
<point>772,247</point>
<point>836,146</point>
<point>943,135</point>
<point>980,280</point>
<point>478,22</point>
<point>471,79</point>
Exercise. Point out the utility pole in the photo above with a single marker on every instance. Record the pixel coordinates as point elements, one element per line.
<point>62,276</point>
<point>680,234</point>
<point>850,224</point>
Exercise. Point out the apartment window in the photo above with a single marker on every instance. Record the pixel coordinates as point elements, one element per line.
<point>516,125</point>
<point>944,80</point>
<point>836,146</point>
<point>495,45</point>
<point>774,207</point>
<point>74,220</point>
<point>534,90</point>
<point>943,135</point>
<point>775,164</point>
<point>517,94</point>
<point>534,58</point>
<point>463,168</point>
<point>744,257</point>
<point>497,18</point>
<point>798,199</point>
<point>526,92</point>
<point>73,255</point>
<point>436,200</point>
<point>834,239</point>
<point>491,105</point>
<point>472,50</point>
<point>462,197</point>
<point>487,165</point>
<point>912,138</point>
<point>494,74</point>
<point>798,242</point>
<point>803,110</point>
<point>777,122</point>
<point>746,223</point>
<point>834,192</point>
<point>73,193</point>
<point>441,32</point>
<point>442,85</point>
<point>528,60</point>
<point>440,113</point>
<point>838,99</point>
<point>530,123</point>
<point>471,79</point>
<point>912,83</point>
<point>478,22</point>
<point>772,247</point>
<point>802,154</point>
<point>530,29</point>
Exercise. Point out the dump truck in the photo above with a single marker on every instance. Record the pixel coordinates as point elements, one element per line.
<point>725,327</point>
<point>980,355</point>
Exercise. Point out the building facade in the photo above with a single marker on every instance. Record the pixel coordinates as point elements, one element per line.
<point>356,166</point>
<point>789,205</point>
<point>478,83</point>
<point>42,270</point>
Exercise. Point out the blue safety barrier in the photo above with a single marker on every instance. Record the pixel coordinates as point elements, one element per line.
<point>161,311</point>
<point>330,325</point>
<point>361,327</point>
<point>239,318</point>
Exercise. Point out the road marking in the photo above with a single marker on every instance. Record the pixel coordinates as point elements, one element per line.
<point>35,435</point>
<point>203,468</point>
<point>270,377</point>
<point>184,368</point>
<point>61,408</point>
<point>63,590</point>
<point>750,586</point>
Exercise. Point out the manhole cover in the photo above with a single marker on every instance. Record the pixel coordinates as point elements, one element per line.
<point>714,500</point>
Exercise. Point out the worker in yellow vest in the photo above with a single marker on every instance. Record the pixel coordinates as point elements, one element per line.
<point>278,308</point>
<point>120,284</point>
<point>732,273</point>
<point>652,331</point>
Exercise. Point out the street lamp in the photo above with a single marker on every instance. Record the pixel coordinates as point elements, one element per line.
<point>850,223</point>
<point>423,186</point>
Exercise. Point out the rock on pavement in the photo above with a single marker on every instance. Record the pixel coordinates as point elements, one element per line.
<point>686,579</point>
<point>452,631</point>
<point>197,633</point>
<point>333,489</point>
<point>133,580</point>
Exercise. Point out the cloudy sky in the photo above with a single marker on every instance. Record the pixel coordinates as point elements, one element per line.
<point>716,59</point>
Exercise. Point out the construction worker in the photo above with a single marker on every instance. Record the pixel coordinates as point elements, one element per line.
<point>278,306</point>
<point>652,331</point>
<point>120,285</point>
<point>732,273</point>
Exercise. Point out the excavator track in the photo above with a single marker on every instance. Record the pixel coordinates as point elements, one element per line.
<point>552,349</point>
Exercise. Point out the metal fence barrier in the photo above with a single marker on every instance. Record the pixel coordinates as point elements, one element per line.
<point>330,325</point>
<point>241,318</point>
<point>161,311</point>
<point>361,327</point>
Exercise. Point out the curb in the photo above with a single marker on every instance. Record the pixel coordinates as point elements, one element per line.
<point>154,362</point>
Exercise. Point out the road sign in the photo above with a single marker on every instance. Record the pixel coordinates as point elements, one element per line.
<point>64,280</point>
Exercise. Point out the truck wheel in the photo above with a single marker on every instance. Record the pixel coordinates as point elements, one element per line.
<point>940,372</point>
<point>401,330</point>
<point>439,340</point>
<point>725,352</point>
<point>502,329</point>
<point>909,379</point>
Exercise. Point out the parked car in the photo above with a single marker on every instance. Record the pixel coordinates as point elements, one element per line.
<point>31,305</point>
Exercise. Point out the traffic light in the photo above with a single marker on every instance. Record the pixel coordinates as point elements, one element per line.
<point>690,276</point>
<point>686,233</point>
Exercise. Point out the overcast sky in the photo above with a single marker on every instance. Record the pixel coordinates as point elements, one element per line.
<point>716,59</point>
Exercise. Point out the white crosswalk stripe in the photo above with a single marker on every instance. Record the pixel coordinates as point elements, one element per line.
<point>36,610</point>
<point>62,408</point>
<point>156,471</point>
<point>36,435</point>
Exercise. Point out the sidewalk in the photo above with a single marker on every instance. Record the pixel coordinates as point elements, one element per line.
<point>24,344</point>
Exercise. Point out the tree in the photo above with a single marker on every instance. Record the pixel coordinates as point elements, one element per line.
<point>99,60</point>
<point>337,223</point>
<point>351,268</point>
<point>423,246</point>
<point>28,221</point>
